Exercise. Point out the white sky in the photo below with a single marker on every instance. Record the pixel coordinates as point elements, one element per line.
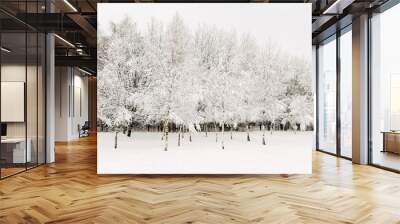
<point>288,25</point>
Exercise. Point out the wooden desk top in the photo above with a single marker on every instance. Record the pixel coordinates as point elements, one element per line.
<point>391,132</point>
<point>13,140</point>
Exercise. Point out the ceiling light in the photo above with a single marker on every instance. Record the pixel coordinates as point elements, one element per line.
<point>79,51</point>
<point>5,50</point>
<point>337,7</point>
<point>70,5</point>
<point>64,40</point>
<point>84,71</point>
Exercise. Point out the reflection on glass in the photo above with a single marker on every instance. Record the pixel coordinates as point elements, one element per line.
<point>346,94</point>
<point>22,92</point>
<point>31,100</point>
<point>41,98</point>
<point>394,102</point>
<point>385,114</point>
<point>13,84</point>
<point>327,96</point>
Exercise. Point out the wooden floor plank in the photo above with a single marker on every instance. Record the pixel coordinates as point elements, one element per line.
<point>70,191</point>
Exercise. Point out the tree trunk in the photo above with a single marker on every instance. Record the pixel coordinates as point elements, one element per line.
<point>231,132</point>
<point>263,136</point>
<point>166,135</point>
<point>129,132</point>
<point>206,129</point>
<point>216,132</point>
<point>272,127</point>
<point>222,138</point>
<point>248,130</point>
<point>190,136</point>
<point>116,140</point>
<point>183,131</point>
<point>179,135</point>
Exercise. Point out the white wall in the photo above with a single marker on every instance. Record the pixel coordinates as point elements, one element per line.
<point>79,117</point>
<point>70,83</point>
<point>12,73</point>
<point>17,73</point>
<point>314,85</point>
<point>34,125</point>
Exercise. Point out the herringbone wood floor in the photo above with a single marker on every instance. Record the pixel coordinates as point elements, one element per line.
<point>69,191</point>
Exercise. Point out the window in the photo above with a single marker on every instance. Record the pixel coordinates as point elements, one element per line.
<point>385,89</point>
<point>327,96</point>
<point>346,93</point>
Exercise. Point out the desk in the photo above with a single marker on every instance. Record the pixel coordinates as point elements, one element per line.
<point>13,150</point>
<point>391,141</point>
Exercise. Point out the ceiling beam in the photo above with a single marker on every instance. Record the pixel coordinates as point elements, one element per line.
<point>49,22</point>
<point>86,27</point>
<point>77,61</point>
<point>337,7</point>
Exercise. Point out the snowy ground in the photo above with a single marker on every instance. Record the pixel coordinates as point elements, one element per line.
<point>143,153</point>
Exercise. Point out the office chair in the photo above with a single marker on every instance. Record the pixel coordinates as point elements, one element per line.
<point>84,130</point>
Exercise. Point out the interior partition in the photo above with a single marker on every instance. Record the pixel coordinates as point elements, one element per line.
<point>71,103</point>
<point>15,146</point>
<point>23,91</point>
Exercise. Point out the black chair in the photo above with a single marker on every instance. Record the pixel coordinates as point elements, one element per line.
<point>84,130</point>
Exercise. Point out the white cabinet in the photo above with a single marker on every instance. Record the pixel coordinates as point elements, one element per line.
<point>19,155</point>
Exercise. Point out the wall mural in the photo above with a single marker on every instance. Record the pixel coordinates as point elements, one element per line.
<point>204,88</point>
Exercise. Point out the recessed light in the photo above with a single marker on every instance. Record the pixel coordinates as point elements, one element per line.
<point>337,7</point>
<point>70,5</point>
<point>86,72</point>
<point>64,40</point>
<point>5,50</point>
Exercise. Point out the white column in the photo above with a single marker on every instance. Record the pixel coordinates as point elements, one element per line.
<point>360,90</point>
<point>62,103</point>
<point>50,99</point>
<point>50,92</point>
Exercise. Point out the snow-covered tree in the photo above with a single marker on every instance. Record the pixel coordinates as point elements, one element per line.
<point>170,75</point>
<point>247,64</point>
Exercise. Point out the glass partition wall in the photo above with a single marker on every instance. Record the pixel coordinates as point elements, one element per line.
<point>327,95</point>
<point>385,89</point>
<point>13,90</point>
<point>22,67</point>
<point>334,106</point>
